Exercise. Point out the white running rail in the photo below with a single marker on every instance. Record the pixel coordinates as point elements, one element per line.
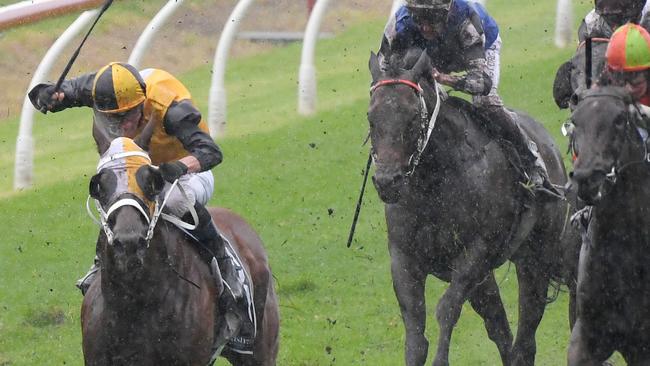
<point>154,26</point>
<point>307,72</point>
<point>24,162</point>
<point>217,100</point>
<point>563,23</point>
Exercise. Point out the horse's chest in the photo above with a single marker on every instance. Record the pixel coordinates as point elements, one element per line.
<point>435,232</point>
<point>150,338</point>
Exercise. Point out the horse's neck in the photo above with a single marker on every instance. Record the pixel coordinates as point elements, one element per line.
<point>454,140</point>
<point>625,207</point>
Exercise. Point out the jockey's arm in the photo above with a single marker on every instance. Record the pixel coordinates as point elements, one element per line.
<point>75,92</point>
<point>78,92</point>
<point>182,121</point>
<point>474,80</point>
<point>471,42</point>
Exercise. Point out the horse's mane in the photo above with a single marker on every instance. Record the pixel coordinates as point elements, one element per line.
<point>398,63</point>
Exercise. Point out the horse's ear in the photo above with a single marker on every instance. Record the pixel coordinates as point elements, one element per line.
<point>562,90</point>
<point>150,181</point>
<point>373,65</point>
<point>421,67</point>
<point>101,185</point>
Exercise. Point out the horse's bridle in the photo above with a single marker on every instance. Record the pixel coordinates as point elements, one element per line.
<point>618,167</point>
<point>152,221</point>
<point>426,124</point>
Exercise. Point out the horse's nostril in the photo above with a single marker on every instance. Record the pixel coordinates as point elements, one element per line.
<point>571,175</point>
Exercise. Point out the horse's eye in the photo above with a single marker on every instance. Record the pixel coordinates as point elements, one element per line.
<point>620,122</point>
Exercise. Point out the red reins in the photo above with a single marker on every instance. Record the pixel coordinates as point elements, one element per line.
<point>396,81</point>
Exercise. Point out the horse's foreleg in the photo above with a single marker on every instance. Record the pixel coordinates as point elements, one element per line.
<point>636,357</point>
<point>408,283</point>
<point>466,274</point>
<point>486,301</point>
<point>573,307</point>
<point>533,286</point>
<point>584,353</point>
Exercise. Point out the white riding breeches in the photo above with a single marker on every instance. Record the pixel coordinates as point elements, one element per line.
<point>493,62</point>
<point>198,187</point>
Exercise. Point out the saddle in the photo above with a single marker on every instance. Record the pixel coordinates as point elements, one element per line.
<point>232,334</point>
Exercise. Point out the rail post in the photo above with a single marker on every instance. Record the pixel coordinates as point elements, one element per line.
<point>24,160</point>
<point>307,72</point>
<point>143,42</point>
<point>217,99</point>
<point>563,23</point>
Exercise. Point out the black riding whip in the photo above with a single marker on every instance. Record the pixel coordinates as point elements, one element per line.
<point>588,57</point>
<point>363,188</point>
<point>57,87</point>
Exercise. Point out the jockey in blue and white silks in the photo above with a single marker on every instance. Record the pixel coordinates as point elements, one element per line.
<point>467,41</point>
<point>464,45</point>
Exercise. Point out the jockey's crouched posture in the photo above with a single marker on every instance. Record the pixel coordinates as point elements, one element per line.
<point>462,37</point>
<point>124,101</point>
<point>607,15</point>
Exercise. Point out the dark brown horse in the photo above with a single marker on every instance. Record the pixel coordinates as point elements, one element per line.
<point>612,174</point>
<point>154,301</point>
<point>455,210</point>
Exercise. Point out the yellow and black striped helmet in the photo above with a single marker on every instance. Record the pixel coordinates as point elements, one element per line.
<point>118,88</point>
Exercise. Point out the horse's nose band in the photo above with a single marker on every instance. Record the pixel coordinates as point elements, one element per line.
<point>157,210</point>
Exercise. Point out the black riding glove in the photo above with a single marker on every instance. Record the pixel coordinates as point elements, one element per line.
<point>172,171</point>
<point>41,98</point>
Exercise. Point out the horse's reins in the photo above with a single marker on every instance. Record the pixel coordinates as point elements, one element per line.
<point>593,39</point>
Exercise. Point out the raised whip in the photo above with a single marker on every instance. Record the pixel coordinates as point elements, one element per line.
<point>57,87</point>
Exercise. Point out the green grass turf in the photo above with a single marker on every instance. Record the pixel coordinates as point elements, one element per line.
<point>284,173</point>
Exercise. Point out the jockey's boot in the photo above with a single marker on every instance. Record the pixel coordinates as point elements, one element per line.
<point>234,299</point>
<point>84,282</point>
<point>533,164</point>
<point>206,233</point>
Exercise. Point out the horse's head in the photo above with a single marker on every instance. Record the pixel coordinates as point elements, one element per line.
<point>604,140</point>
<point>125,189</point>
<point>397,117</point>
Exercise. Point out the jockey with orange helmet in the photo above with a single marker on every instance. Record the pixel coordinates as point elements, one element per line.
<point>124,101</point>
<point>628,61</point>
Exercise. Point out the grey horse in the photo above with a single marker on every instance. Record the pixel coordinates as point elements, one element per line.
<point>455,209</point>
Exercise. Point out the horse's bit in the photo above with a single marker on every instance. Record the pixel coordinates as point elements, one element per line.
<point>426,124</point>
<point>104,215</point>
